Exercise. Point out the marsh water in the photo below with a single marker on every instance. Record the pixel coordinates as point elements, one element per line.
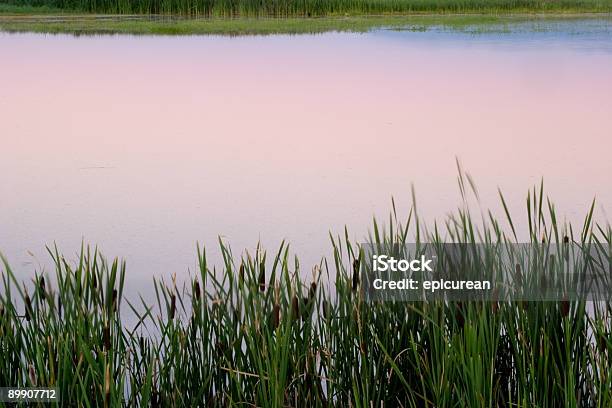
<point>146,145</point>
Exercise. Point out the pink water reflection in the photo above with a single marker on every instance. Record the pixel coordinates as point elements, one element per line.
<point>147,145</point>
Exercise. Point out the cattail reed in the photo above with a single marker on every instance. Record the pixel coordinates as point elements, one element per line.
<point>313,286</point>
<point>172,305</point>
<point>262,277</point>
<point>240,348</point>
<point>28,307</point>
<point>295,307</point>
<point>241,273</point>
<point>564,307</point>
<point>155,399</point>
<point>276,307</point>
<point>275,315</point>
<point>459,315</point>
<point>196,290</point>
<point>355,274</point>
<point>106,338</point>
<point>602,342</point>
<point>312,291</point>
<point>41,288</point>
<point>306,309</point>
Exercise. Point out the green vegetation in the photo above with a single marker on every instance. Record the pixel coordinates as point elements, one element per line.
<point>11,9</point>
<point>239,17</point>
<point>312,8</point>
<point>252,332</point>
<point>80,24</point>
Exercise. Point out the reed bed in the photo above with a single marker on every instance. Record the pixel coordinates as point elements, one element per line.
<point>311,8</point>
<point>255,332</point>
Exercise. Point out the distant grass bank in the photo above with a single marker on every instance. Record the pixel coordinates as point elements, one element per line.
<point>312,8</point>
<point>240,17</point>
<point>94,24</point>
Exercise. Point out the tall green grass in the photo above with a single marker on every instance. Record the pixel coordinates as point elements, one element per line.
<point>254,332</point>
<point>311,8</point>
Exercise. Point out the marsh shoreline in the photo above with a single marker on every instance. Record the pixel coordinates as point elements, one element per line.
<point>100,24</point>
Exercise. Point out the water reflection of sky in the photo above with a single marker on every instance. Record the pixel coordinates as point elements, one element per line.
<point>145,145</point>
<point>590,35</point>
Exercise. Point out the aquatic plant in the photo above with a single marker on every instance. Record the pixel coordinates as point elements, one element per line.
<point>257,332</point>
<point>309,8</point>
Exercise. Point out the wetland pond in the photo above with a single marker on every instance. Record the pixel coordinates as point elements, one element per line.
<point>145,145</point>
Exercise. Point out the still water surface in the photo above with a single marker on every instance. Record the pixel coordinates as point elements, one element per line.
<point>147,145</point>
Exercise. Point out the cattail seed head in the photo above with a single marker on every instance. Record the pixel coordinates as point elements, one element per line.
<point>196,290</point>
<point>566,239</point>
<point>114,300</point>
<point>106,338</point>
<point>262,278</point>
<point>565,307</point>
<point>155,403</point>
<point>275,316</point>
<point>313,290</point>
<point>295,307</point>
<point>276,307</point>
<point>602,342</point>
<point>459,316</point>
<point>141,344</point>
<point>172,305</point>
<point>316,271</point>
<point>325,308</point>
<point>355,274</point>
<point>41,288</point>
<point>306,310</point>
<point>94,281</point>
<point>28,307</point>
